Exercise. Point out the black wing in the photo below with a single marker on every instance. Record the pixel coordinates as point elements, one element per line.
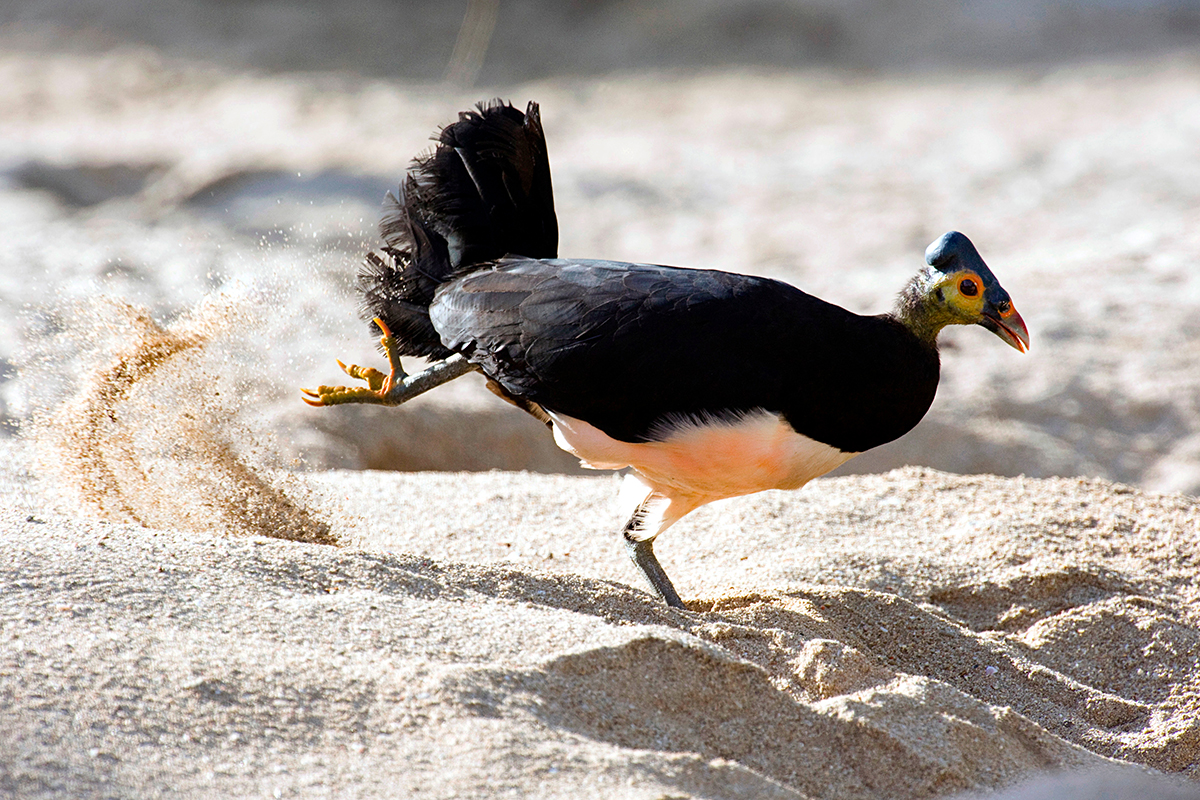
<point>627,346</point>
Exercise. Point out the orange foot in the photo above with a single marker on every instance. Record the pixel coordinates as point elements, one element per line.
<point>380,388</point>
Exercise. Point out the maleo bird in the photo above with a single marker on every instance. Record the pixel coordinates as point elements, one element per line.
<point>704,384</point>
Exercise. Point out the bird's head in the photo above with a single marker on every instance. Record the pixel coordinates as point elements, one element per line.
<point>957,288</point>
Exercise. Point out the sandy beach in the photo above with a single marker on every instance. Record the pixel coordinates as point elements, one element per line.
<point>212,590</point>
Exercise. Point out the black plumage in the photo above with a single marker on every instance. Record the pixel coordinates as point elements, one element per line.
<point>707,384</point>
<point>482,193</point>
<point>584,337</point>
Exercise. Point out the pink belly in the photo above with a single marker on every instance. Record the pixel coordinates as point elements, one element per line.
<point>708,460</point>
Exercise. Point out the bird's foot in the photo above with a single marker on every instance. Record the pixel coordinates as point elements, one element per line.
<point>389,389</point>
<point>380,389</point>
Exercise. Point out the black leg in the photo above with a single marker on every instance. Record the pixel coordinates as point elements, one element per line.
<point>642,553</point>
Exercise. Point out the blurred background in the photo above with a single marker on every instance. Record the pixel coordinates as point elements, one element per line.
<point>155,153</point>
<point>505,41</point>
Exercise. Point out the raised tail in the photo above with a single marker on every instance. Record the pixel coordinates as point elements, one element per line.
<point>483,193</point>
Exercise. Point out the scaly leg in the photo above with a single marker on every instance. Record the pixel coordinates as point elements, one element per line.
<point>641,551</point>
<point>391,389</point>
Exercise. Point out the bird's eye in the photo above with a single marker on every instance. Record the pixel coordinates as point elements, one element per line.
<point>968,287</point>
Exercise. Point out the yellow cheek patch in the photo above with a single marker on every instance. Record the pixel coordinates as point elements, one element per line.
<point>955,285</point>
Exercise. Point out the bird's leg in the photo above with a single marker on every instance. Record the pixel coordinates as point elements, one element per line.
<point>641,551</point>
<point>396,386</point>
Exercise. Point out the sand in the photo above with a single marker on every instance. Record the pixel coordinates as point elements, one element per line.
<point>913,634</point>
<point>200,601</point>
<point>183,615</point>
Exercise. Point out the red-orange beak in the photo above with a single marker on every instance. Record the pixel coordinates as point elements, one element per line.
<point>1003,320</point>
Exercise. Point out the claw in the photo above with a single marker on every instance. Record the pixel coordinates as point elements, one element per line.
<point>375,379</point>
<point>392,388</point>
<point>337,395</point>
<point>390,348</point>
<point>380,386</point>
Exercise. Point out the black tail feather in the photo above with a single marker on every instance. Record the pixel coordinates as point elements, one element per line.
<point>483,193</point>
